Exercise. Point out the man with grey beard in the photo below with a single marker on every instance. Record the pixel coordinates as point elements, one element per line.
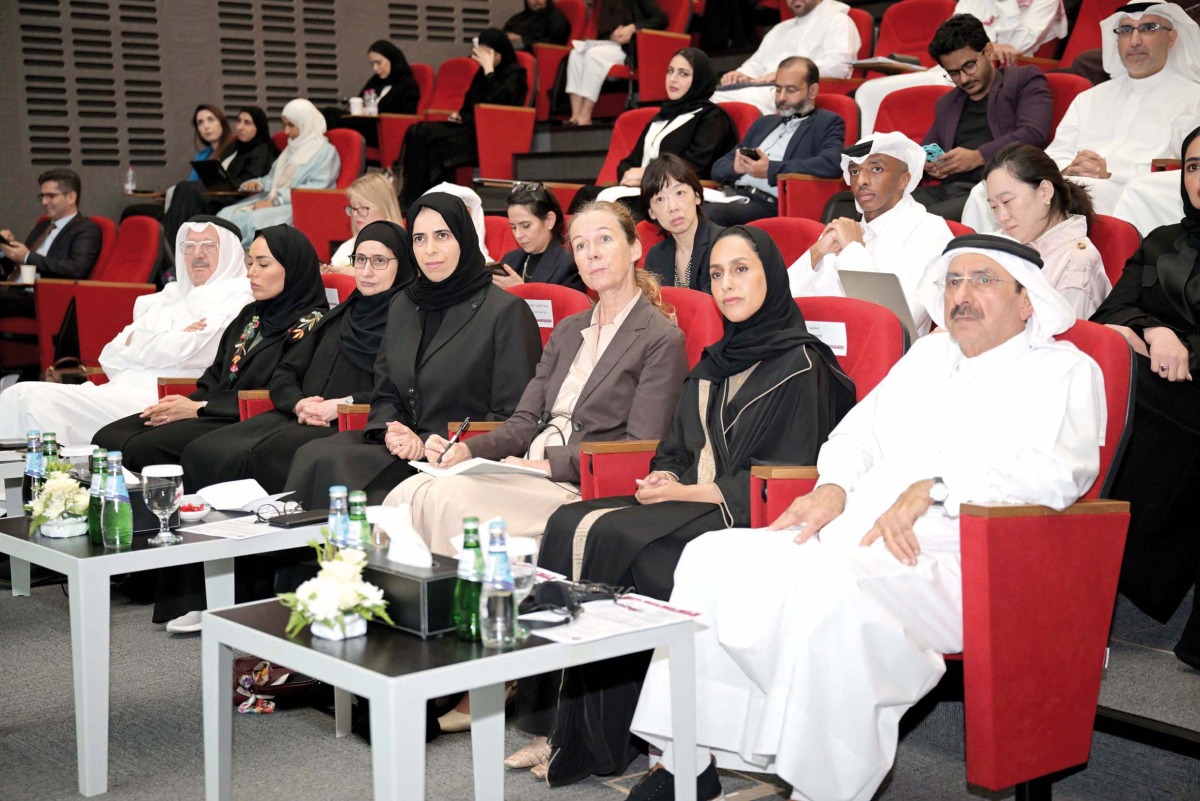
<point>797,138</point>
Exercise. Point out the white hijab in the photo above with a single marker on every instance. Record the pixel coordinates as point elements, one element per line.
<point>474,205</point>
<point>1184,56</point>
<point>299,151</point>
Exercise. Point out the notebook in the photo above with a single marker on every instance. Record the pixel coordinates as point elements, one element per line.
<point>214,177</point>
<point>881,288</point>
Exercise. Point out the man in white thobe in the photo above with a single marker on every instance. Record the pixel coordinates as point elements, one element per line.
<point>896,235</point>
<point>1112,132</point>
<point>821,31</point>
<point>174,333</point>
<point>814,638</point>
<point>1015,28</point>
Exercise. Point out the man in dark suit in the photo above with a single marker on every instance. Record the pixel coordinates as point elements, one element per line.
<point>799,138</point>
<point>990,107</point>
<point>63,245</point>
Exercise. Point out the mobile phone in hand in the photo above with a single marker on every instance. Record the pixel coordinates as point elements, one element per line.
<point>749,152</point>
<point>497,268</point>
<point>933,152</point>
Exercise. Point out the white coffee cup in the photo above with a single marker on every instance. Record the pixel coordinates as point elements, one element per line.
<point>28,273</point>
<point>356,106</point>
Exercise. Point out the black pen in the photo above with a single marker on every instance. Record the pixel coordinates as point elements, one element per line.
<point>461,428</point>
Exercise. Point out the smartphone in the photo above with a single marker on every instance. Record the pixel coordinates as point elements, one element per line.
<point>933,152</point>
<point>749,152</point>
<point>497,268</point>
<point>4,241</point>
<point>475,42</point>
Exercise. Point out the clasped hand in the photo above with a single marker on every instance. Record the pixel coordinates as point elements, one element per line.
<point>657,487</point>
<point>1088,164</point>
<point>316,411</point>
<point>837,234</point>
<point>170,409</point>
<point>402,442</point>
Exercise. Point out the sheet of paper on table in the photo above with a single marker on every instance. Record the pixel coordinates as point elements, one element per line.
<point>239,528</point>
<point>246,495</point>
<point>602,619</point>
<point>12,456</point>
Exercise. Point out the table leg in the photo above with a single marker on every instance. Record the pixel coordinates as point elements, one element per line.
<point>13,506</point>
<point>19,573</point>
<point>218,583</point>
<point>218,718</point>
<point>487,741</point>
<point>398,746</point>
<point>89,661</point>
<point>682,663</point>
<point>343,707</point>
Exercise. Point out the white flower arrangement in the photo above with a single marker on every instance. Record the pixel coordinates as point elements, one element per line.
<point>61,496</point>
<point>337,589</point>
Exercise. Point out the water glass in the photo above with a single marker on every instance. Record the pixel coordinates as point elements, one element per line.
<point>162,487</point>
<point>523,574</point>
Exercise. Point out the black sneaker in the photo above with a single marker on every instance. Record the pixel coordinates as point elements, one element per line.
<point>659,785</point>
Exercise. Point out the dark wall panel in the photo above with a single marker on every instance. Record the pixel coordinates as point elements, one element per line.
<point>96,85</point>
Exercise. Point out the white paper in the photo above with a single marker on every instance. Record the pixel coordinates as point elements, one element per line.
<point>331,295</point>
<point>832,334</point>
<point>246,495</point>
<point>603,619</point>
<point>543,311</point>
<point>885,62</point>
<point>477,467</point>
<point>238,528</point>
<point>717,196</point>
<point>131,479</point>
<point>11,456</point>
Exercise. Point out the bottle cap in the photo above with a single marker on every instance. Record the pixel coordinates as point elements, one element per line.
<point>114,456</point>
<point>358,496</point>
<point>337,489</point>
<point>33,432</point>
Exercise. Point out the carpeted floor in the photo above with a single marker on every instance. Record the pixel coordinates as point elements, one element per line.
<point>156,748</point>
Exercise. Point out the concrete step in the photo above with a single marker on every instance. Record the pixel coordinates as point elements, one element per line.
<point>551,138</point>
<point>577,167</point>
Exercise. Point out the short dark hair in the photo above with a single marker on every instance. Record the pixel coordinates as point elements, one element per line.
<point>1030,165</point>
<point>812,73</point>
<point>67,180</point>
<point>660,172</point>
<point>961,30</point>
<point>540,201</point>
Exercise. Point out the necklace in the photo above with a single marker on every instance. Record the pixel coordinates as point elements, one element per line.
<point>686,280</point>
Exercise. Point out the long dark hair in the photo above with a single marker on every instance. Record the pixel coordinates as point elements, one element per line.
<point>226,131</point>
<point>540,201</point>
<point>1031,166</point>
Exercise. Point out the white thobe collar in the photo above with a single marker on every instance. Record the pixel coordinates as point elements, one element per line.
<point>1159,79</point>
<point>896,220</point>
<point>1000,356</point>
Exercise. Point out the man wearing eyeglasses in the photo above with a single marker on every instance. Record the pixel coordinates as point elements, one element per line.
<point>1112,132</point>
<point>989,107</point>
<point>63,245</point>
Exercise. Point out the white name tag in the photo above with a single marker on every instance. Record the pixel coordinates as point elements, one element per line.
<point>832,334</point>
<point>543,311</point>
<point>331,295</point>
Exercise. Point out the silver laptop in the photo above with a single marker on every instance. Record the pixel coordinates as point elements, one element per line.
<point>881,288</point>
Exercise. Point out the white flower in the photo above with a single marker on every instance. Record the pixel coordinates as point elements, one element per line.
<point>352,556</point>
<point>369,594</point>
<point>79,504</point>
<point>318,598</point>
<point>347,597</point>
<point>341,571</point>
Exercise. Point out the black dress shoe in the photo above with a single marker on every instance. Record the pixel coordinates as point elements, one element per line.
<point>659,785</point>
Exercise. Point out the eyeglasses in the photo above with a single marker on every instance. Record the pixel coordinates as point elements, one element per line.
<point>269,510</point>
<point>372,262</point>
<point>530,187</point>
<point>352,210</point>
<point>209,246</point>
<point>968,68</point>
<point>981,282</point>
<point>48,195</point>
<point>1145,29</point>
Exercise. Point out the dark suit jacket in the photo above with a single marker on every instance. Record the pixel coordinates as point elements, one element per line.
<point>555,267</point>
<point>1019,109</point>
<point>660,259</point>
<point>73,252</point>
<point>700,142</point>
<point>815,149</point>
<point>477,365</point>
<point>631,393</point>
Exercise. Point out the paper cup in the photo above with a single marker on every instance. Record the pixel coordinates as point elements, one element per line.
<point>28,273</point>
<point>356,105</point>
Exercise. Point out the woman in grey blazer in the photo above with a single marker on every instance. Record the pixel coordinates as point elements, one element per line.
<point>612,372</point>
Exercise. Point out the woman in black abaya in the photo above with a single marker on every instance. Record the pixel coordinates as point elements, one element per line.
<point>395,89</point>
<point>767,392</point>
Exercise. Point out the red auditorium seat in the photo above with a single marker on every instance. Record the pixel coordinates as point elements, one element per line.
<point>550,56</point>
<point>910,110</point>
<point>697,316</point>
<point>649,234</point>
<point>743,116</point>
<point>564,302</point>
<point>1064,87</point>
<point>806,195</point>
<point>352,152</point>
<point>793,235</point>
<point>1116,240</point>
<point>320,214</point>
<point>344,285</point>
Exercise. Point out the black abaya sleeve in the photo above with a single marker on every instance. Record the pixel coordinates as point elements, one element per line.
<point>252,165</point>
<point>673,454</point>
<point>713,135</point>
<point>211,379</point>
<point>402,98</point>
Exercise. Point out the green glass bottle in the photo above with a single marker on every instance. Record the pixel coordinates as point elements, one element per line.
<point>360,530</point>
<point>469,584</point>
<point>99,461</point>
<point>116,517</point>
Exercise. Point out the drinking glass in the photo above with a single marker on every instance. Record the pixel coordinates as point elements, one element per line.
<point>523,574</point>
<point>162,487</point>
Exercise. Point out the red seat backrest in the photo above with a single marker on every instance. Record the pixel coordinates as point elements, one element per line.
<point>1116,240</point>
<point>527,61</point>
<point>793,235</point>
<point>1064,86</point>
<point>909,110</point>
<point>576,13</point>
<point>697,316</point>
<point>874,337</point>
<point>280,139</point>
<point>679,14</point>
<point>320,214</point>
<point>958,229</point>
<point>907,27</point>
<point>344,285</point>
<point>423,75</point>
<point>454,78</point>
<point>743,116</point>
<point>626,130</point>
<point>1085,32</point>
<point>847,109</point>
<point>649,234</point>
<point>134,254</point>
<point>564,302</point>
<point>498,237</point>
<point>352,151</point>
<point>108,241</point>
<point>102,310</point>
<point>1110,350</point>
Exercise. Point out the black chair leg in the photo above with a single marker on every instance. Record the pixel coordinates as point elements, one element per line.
<point>1034,790</point>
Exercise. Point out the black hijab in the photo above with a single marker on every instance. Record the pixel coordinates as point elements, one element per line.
<point>262,132</point>
<point>704,83</point>
<point>1191,214</point>
<point>775,329</point>
<point>499,41</point>
<point>469,277</point>
<point>302,288</point>
<point>367,315</point>
<point>400,69</point>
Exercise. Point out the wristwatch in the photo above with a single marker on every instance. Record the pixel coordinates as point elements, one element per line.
<point>939,493</point>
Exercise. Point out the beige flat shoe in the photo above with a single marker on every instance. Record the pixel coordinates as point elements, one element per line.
<point>539,771</point>
<point>530,756</point>
<point>454,721</point>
